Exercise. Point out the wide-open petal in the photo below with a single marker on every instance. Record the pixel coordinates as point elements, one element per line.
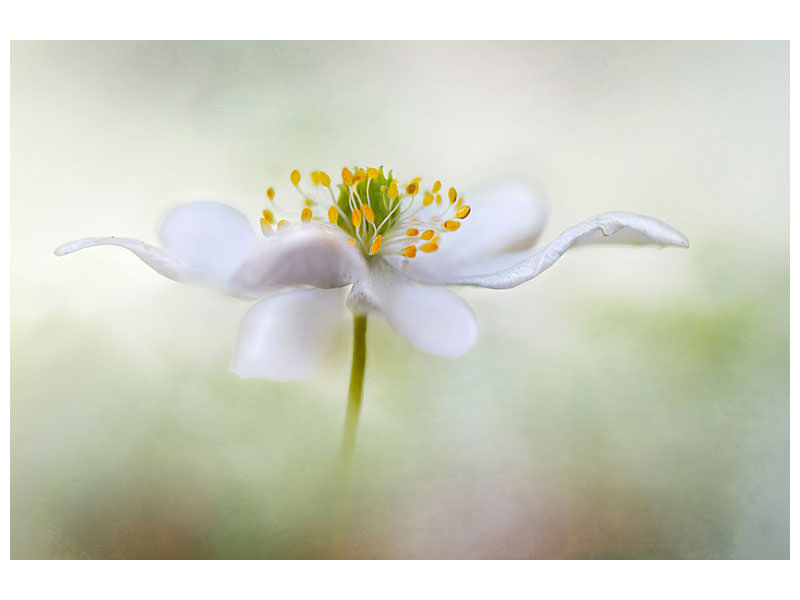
<point>302,255</point>
<point>204,242</point>
<point>509,270</point>
<point>433,319</point>
<point>287,336</point>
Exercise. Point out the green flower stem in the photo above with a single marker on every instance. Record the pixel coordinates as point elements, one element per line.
<point>354,395</point>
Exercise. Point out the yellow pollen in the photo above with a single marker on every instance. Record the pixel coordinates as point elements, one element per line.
<point>409,251</point>
<point>309,202</point>
<point>366,210</point>
<point>268,216</point>
<point>451,225</point>
<point>427,234</point>
<point>428,200</point>
<point>412,232</point>
<point>393,190</point>
<point>351,241</point>
<point>438,198</point>
<point>333,214</point>
<point>356,217</point>
<point>282,223</point>
<point>452,195</point>
<point>347,176</point>
<point>315,177</point>
<point>372,173</point>
<point>295,177</point>
<point>429,247</point>
<point>361,175</point>
<point>376,245</point>
<point>412,188</point>
<point>436,186</point>
<point>265,226</point>
<point>324,178</point>
<point>270,193</point>
<point>463,212</point>
<point>305,215</point>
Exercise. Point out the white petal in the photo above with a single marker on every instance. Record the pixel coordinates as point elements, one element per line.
<point>433,319</point>
<point>506,215</point>
<point>510,270</point>
<point>163,262</point>
<point>204,242</point>
<point>305,255</point>
<point>287,336</point>
<point>211,238</point>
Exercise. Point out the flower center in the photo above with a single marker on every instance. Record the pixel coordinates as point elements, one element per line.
<point>376,211</point>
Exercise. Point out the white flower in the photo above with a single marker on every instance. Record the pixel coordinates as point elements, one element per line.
<point>397,246</point>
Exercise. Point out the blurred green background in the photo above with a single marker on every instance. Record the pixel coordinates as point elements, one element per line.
<point>628,403</point>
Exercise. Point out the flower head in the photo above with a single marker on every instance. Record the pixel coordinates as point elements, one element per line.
<point>395,244</point>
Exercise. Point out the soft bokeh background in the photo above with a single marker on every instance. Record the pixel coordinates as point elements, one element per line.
<point>629,403</point>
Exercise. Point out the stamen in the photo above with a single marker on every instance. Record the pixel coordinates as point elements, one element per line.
<point>270,193</point>
<point>412,232</point>
<point>409,251</point>
<point>333,214</point>
<point>412,188</point>
<point>268,217</point>
<point>266,228</point>
<point>361,175</point>
<point>451,225</point>
<point>376,245</point>
<point>452,194</point>
<point>351,241</point>
<point>356,217</point>
<point>393,190</point>
<point>369,216</point>
<point>347,176</point>
<point>427,234</point>
<point>463,212</point>
<point>372,173</point>
<point>436,186</point>
<point>305,215</point>
<point>295,177</point>
<point>429,247</point>
<point>315,177</point>
<point>324,179</point>
<point>438,198</point>
<point>282,223</point>
<point>428,200</point>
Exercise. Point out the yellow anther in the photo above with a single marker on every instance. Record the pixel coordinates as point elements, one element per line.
<point>324,178</point>
<point>266,228</point>
<point>460,202</point>
<point>270,193</point>
<point>333,214</point>
<point>452,195</point>
<point>347,176</point>
<point>412,232</point>
<point>309,202</point>
<point>438,198</point>
<point>305,215</point>
<point>361,175</point>
<point>429,247</point>
<point>409,251</point>
<point>451,225</point>
<point>412,188</point>
<point>372,173</point>
<point>376,245</point>
<point>295,177</point>
<point>282,223</point>
<point>463,212</point>
<point>356,217</point>
<point>268,216</point>
<point>351,241</point>
<point>436,186</point>
<point>315,177</point>
<point>428,200</point>
<point>427,234</point>
<point>393,190</point>
<point>369,216</point>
